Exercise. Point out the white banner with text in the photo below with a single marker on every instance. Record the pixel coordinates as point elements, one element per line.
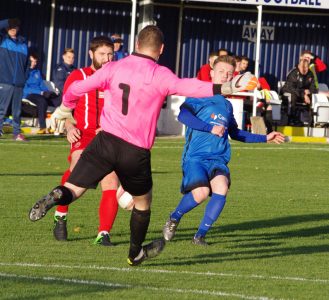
<point>315,4</point>
<point>249,32</point>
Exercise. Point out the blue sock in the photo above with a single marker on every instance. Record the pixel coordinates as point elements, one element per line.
<point>212,212</point>
<point>185,205</point>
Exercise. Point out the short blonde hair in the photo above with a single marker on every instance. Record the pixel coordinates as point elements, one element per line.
<point>226,59</point>
<point>68,50</point>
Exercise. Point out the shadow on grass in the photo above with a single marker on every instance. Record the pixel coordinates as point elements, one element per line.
<point>228,230</point>
<point>39,137</point>
<point>260,253</point>
<point>32,174</point>
<point>252,245</point>
<point>69,288</point>
<point>46,137</point>
<point>92,238</point>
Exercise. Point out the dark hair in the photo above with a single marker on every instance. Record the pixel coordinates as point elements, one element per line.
<point>237,58</point>
<point>222,49</point>
<point>100,41</point>
<point>225,59</point>
<point>245,58</point>
<point>150,37</point>
<point>213,53</point>
<point>34,55</point>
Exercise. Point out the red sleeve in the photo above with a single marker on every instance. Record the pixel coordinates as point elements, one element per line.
<point>263,83</point>
<point>204,73</point>
<point>320,66</point>
<point>75,75</point>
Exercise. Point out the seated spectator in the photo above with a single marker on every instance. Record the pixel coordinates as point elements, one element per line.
<point>244,64</point>
<point>37,92</point>
<point>119,52</point>
<point>204,72</point>
<point>299,87</point>
<point>316,64</point>
<point>63,69</point>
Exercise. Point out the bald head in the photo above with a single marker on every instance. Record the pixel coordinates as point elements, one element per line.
<point>150,41</point>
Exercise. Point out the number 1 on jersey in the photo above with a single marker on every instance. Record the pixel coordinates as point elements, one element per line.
<point>125,95</point>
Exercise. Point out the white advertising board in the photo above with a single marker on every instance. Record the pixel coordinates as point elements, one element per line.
<point>315,4</point>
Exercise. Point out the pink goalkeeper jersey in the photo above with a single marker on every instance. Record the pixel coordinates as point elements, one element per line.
<point>134,90</point>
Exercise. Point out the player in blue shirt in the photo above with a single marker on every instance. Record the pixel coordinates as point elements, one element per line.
<point>207,152</point>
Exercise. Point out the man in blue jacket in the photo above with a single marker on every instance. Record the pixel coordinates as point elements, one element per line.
<point>64,69</point>
<point>38,93</point>
<point>13,72</point>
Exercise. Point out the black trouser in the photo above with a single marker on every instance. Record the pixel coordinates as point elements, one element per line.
<point>42,105</point>
<point>295,105</point>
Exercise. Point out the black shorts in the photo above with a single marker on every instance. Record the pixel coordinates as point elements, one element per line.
<point>107,153</point>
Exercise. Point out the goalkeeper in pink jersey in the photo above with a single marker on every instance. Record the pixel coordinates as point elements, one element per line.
<point>135,88</point>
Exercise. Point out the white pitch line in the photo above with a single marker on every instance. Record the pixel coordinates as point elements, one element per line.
<point>119,285</point>
<point>181,146</point>
<point>233,147</point>
<point>213,274</point>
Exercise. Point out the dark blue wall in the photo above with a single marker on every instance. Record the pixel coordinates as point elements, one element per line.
<point>34,16</point>
<point>204,30</point>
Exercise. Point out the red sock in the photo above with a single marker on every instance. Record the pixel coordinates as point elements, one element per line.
<point>64,208</point>
<point>108,209</point>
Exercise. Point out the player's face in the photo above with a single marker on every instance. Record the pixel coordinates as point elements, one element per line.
<point>222,73</point>
<point>68,58</point>
<point>244,65</point>
<point>101,56</point>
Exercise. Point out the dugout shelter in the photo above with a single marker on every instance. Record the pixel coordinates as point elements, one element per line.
<point>192,30</point>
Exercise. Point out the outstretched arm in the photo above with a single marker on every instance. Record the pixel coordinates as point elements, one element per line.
<point>192,87</point>
<point>80,87</point>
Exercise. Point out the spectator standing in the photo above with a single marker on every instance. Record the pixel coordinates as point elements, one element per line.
<point>299,87</point>
<point>38,93</point>
<point>119,52</point>
<point>13,72</point>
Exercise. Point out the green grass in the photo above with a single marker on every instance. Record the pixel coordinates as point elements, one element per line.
<point>271,241</point>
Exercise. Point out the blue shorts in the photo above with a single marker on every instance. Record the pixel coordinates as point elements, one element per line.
<point>198,173</point>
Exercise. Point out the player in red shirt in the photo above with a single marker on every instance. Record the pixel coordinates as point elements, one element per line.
<point>87,114</point>
<point>204,72</point>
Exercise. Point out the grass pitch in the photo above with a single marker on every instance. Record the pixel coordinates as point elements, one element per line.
<point>271,241</point>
